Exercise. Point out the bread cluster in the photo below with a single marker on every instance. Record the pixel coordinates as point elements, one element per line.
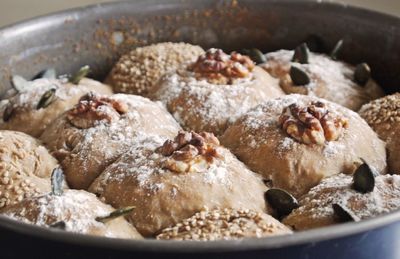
<point>182,143</point>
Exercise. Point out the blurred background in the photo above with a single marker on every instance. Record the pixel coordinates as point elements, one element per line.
<point>15,10</point>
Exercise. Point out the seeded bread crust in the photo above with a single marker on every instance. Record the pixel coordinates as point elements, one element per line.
<point>383,115</point>
<point>25,167</point>
<point>138,71</point>
<point>226,224</point>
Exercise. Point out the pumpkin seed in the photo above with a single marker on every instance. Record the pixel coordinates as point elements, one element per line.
<point>83,71</point>
<point>115,214</point>
<point>336,50</point>
<point>257,56</point>
<point>362,74</point>
<point>19,83</point>
<point>301,54</point>
<point>364,178</point>
<point>8,112</point>
<point>298,76</point>
<point>342,214</point>
<point>47,98</point>
<point>57,181</point>
<point>281,201</point>
<point>59,225</point>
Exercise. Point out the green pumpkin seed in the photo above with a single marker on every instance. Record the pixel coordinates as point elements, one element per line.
<point>57,181</point>
<point>255,54</point>
<point>281,201</point>
<point>342,214</point>
<point>83,72</point>
<point>336,50</point>
<point>298,76</point>
<point>20,84</point>
<point>301,54</point>
<point>115,214</point>
<point>364,178</point>
<point>47,98</point>
<point>8,112</point>
<point>362,74</point>
<point>59,225</point>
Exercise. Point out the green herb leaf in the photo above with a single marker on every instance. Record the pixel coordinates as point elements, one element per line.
<point>83,71</point>
<point>115,214</point>
<point>57,181</point>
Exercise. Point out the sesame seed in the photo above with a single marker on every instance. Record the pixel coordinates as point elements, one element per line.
<point>224,224</point>
<point>138,71</point>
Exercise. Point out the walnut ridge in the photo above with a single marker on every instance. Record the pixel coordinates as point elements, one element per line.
<point>92,108</point>
<point>220,68</point>
<point>313,124</point>
<point>188,149</point>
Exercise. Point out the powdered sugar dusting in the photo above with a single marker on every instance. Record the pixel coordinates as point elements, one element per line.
<point>337,77</point>
<point>338,189</point>
<point>215,106</point>
<point>78,209</point>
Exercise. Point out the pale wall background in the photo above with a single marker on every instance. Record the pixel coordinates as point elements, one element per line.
<point>15,10</point>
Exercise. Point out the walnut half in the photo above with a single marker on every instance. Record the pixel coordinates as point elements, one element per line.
<point>313,124</point>
<point>189,149</point>
<point>92,108</point>
<point>218,67</point>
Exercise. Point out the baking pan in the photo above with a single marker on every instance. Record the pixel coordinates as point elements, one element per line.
<point>97,35</point>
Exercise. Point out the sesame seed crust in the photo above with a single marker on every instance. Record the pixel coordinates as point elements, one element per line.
<point>25,168</point>
<point>382,114</point>
<point>138,71</point>
<point>225,224</point>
